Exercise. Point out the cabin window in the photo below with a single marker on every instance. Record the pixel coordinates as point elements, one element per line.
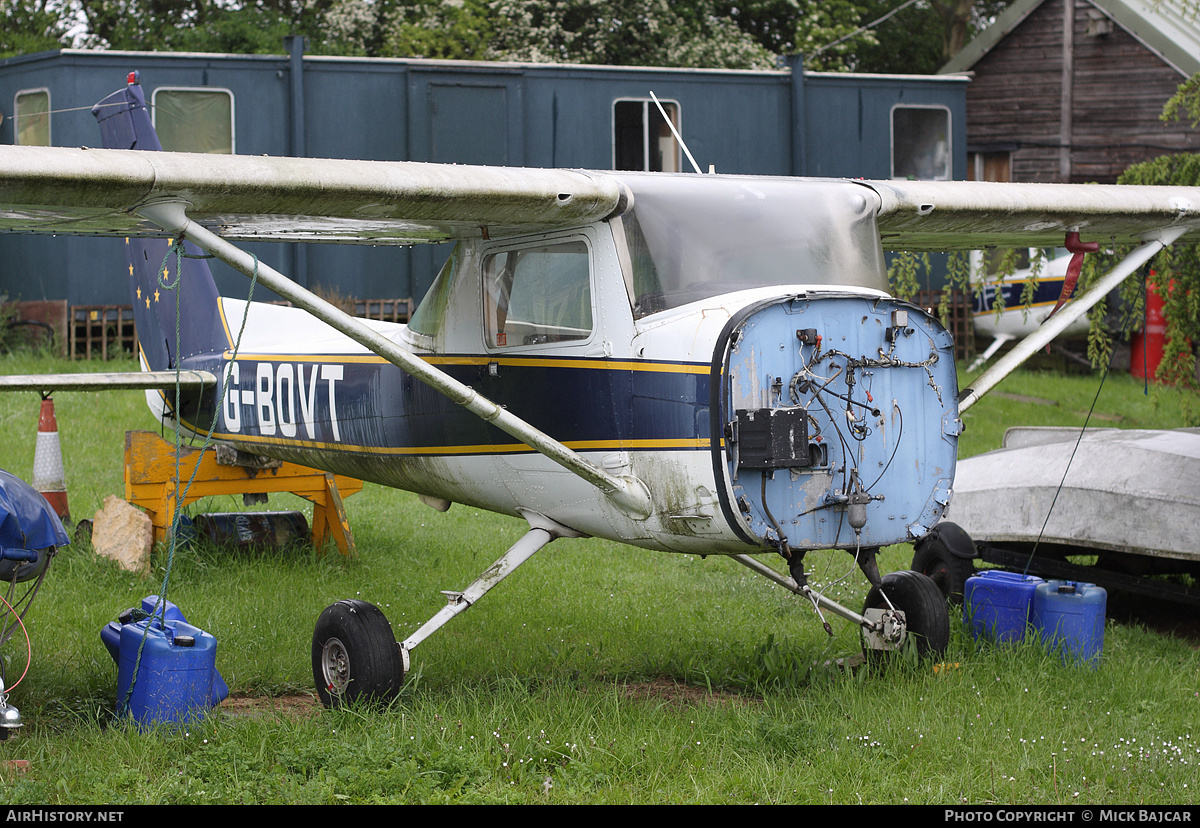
<point>921,143</point>
<point>194,120</point>
<point>31,112</point>
<point>642,140</point>
<point>535,295</point>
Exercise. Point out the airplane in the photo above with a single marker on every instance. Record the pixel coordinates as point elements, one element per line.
<point>695,363</point>
<point>1003,313</point>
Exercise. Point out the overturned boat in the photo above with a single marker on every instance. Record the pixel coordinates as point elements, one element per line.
<point>1110,507</point>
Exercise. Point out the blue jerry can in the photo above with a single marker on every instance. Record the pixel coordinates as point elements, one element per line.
<point>996,604</point>
<point>177,677</point>
<point>1070,616</point>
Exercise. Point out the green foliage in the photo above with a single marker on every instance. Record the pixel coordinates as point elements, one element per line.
<point>17,336</point>
<point>1174,274</point>
<point>958,278</point>
<point>1185,103</point>
<point>246,31</point>
<point>904,273</point>
<point>1006,268</point>
<point>622,32</point>
<point>434,29</point>
<point>8,337</point>
<point>28,26</point>
<point>701,33</point>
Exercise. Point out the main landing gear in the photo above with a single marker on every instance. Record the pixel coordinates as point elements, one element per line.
<point>355,656</point>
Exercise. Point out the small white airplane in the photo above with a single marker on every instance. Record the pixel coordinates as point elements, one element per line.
<point>701,364</point>
<point>1002,312</point>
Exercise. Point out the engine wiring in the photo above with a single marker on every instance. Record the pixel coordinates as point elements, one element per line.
<point>806,382</point>
<point>859,419</point>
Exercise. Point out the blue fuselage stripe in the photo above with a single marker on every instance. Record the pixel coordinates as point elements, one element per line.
<point>373,406</point>
<point>1045,293</point>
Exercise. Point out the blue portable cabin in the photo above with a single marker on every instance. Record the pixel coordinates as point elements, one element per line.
<point>783,122</point>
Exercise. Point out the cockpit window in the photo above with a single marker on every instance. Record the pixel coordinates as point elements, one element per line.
<point>693,237</point>
<point>535,295</point>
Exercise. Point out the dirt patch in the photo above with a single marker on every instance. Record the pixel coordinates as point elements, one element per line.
<point>303,705</point>
<point>298,705</point>
<point>665,689</point>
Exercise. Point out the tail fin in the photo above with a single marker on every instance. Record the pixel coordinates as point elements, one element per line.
<point>164,344</point>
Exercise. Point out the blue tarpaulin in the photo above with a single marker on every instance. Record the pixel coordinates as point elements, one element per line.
<point>27,521</point>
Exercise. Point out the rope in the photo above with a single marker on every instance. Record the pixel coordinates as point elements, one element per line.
<point>4,689</point>
<point>160,609</point>
<point>862,29</point>
<point>79,109</point>
<point>1079,439</point>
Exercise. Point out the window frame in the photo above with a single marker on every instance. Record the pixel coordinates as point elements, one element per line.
<point>978,161</point>
<point>647,103</point>
<point>527,243</point>
<point>17,116</point>
<point>949,176</point>
<point>206,89</point>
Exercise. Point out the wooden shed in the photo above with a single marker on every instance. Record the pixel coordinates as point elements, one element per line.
<point>1072,90</point>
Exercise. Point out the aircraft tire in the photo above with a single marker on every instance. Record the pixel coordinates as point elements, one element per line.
<point>925,610</point>
<point>355,657</point>
<point>946,556</point>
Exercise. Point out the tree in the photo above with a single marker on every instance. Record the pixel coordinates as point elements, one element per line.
<point>28,26</point>
<point>622,32</point>
<point>451,30</point>
<point>919,38</point>
<point>1176,271</point>
<point>1185,103</point>
<point>750,34</point>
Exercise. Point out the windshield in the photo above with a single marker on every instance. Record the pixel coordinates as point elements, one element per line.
<point>691,237</point>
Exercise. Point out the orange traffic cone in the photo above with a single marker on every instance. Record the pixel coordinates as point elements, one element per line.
<point>49,478</point>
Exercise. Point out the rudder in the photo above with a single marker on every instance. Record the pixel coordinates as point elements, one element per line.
<point>163,343</point>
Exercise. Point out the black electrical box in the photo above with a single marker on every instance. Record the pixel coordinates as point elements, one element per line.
<point>773,438</point>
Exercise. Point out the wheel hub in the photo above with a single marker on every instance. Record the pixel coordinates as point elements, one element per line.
<point>335,666</point>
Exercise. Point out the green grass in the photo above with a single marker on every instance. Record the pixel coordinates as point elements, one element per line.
<point>598,673</point>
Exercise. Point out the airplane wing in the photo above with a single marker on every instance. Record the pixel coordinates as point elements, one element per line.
<point>61,190</point>
<point>970,215</point>
<point>94,191</point>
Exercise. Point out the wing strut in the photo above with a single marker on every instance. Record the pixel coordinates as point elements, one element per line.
<point>628,493</point>
<point>140,380</point>
<point>1077,308</point>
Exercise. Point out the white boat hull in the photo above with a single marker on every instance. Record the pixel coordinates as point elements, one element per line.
<point>1126,490</point>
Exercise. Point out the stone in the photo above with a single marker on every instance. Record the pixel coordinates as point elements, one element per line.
<point>124,533</point>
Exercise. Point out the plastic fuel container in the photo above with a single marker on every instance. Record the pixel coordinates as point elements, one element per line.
<point>1070,617</point>
<point>996,604</point>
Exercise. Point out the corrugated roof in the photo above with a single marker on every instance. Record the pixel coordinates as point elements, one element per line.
<point>1169,28</point>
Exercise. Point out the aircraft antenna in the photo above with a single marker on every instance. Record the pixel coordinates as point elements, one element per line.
<point>675,132</point>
